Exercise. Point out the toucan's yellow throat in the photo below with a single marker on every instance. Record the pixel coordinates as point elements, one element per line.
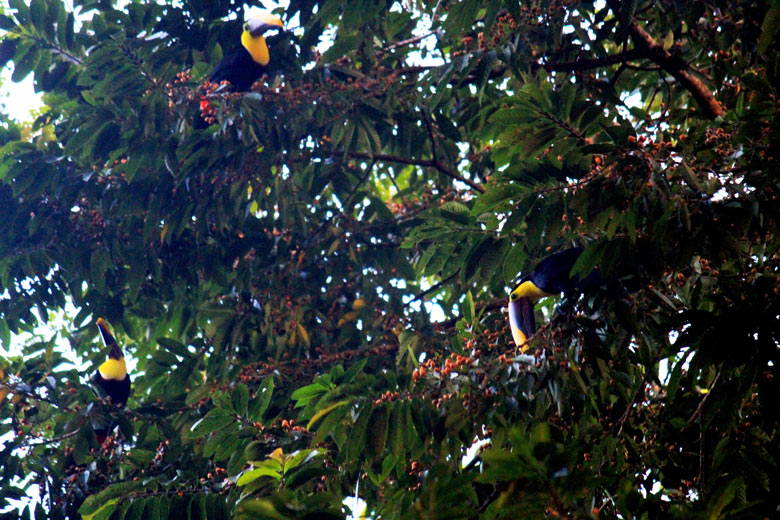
<point>527,289</point>
<point>113,369</point>
<point>253,38</point>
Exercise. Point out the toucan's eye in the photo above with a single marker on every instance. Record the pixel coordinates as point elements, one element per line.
<point>246,26</point>
<point>512,297</point>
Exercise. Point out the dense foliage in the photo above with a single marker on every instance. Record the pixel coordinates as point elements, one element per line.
<point>311,290</point>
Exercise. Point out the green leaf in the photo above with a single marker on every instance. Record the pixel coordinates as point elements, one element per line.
<point>587,261</point>
<point>262,399</point>
<point>22,12</point>
<point>104,512</point>
<point>7,23</point>
<point>299,458</point>
<point>154,509</point>
<point>256,508</point>
<point>137,510</point>
<point>502,194</point>
<point>214,420</point>
<point>240,396</point>
<point>175,347</point>
<point>724,496</point>
<point>353,371</point>
<point>223,401</point>
<point>320,414</point>
<point>668,40</point>
<point>5,334</point>
<point>306,393</point>
<point>468,308</point>
<point>674,380</point>
<point>38,15</point>
<point>769,27</point>
<point>376,434</point>
<point>95,502</point>
<point>514,261</point>
<point>99,264</point>
<point>254,474</point>
<point>475,255</point>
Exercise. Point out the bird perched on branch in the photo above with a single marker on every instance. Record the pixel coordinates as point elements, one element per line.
<point>246,64</point>
<point>551,277</point>
<point>111,376</point>
<point>242,67</point>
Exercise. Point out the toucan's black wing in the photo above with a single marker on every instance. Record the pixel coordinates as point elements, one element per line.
<point>552,274</point>
<point>118,391</point>
<point>239,69</point>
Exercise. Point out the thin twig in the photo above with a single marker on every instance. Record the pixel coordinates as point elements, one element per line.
<point>53,439</point>
<point>668,98</point>
<point>65,54</point>
<point>704,400</point>
<point>425,163</point>
<point>490,306</point>
<point>403,43</point>
<point>435,287</point>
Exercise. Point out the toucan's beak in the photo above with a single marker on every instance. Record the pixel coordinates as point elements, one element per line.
<point>262,23</point>
<point>262,29</point>
<point>108,338</point>
<point>521,321</point>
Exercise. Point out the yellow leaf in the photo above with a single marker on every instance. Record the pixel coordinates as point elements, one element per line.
<point>304,334</point>
<point>164,232</point>
<point>359,304</point>
<point>325,411</point>
<point>277,455</point>
<point>334,246</point>
<point>350,316</point>
<point>109,505</point>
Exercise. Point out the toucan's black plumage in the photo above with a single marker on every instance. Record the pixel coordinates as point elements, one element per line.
<point>111,376</point>
<point>553,274</point>
<point>239,69</point>
<point>242,67</point>
<point>550,277</point>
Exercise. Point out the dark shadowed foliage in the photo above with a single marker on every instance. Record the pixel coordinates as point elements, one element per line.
<point>310,291</point>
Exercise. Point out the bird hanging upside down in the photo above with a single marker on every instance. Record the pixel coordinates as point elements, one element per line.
<point>246,64</point>
<point>551,277</point>
<point>111,376</point>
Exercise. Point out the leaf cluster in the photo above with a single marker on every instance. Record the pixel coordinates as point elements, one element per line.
<point>309,290</point>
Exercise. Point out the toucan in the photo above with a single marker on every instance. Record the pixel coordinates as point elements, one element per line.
<point>550,277</point>
<point>246,64</point>
<point>111,375</point>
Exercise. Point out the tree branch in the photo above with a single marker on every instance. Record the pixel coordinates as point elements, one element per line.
<point>433,288</point>
<point>425,163</point>
<point>403,43</point>
<point>614,59</point>
<point>53,439</point>
<point>704,399</point>
<point>655,52</point>
<point>645,46</point>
